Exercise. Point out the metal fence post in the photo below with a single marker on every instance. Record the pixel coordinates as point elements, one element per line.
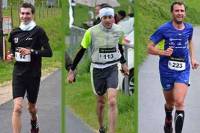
<point>126,86</point>
<point>1,31</point>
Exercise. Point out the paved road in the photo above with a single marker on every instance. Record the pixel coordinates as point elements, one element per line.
<point>151,100</point>
<point>48,105</point>
<point>76,125</point>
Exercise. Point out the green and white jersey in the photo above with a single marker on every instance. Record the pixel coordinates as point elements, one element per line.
<point>104,44</point>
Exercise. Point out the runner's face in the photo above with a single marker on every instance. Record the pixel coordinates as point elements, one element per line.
<point>107,21</point>
<point>178,13</point>
<point>26,15</point>
<point>97,8</point>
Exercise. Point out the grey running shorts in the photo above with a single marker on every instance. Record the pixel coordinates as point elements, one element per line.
<point>104,78</point>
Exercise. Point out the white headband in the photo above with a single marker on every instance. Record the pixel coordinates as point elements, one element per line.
<point>107,11</point>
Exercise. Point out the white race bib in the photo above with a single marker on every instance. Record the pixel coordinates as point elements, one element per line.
<point>176,65</point>
<point>108,54</point>
<point>22,58</point>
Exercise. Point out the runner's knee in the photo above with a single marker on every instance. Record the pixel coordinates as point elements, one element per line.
<point>112,102</point>
<point>169,105</point>
<point>179,103</point>
<point>32,109</point>
<point>17,108</point>
<point>101,102</point>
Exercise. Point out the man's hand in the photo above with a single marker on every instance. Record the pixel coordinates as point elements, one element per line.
<point>10,57</point>
<point>125,70</point>
<point>194,63</point>
<point>71,76</point>
<point>24,51</point>
<point>167,52</point>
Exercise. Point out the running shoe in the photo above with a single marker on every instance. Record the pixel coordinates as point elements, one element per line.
<point>34,127</point>
<point>102,130</point>
<point>168,126</point>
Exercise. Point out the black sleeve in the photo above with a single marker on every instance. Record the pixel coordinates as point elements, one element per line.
<point>12,47</point>
<point>68,61</point>
<point>122,59</point>
<point>78,57</point>
<point>44,41</point>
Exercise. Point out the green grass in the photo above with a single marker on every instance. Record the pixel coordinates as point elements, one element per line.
<point>6,71</point>
<point>80,98</point>
<point>53,27</point>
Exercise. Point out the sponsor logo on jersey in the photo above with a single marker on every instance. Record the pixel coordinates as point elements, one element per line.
<point>175,39</point>
<point>29,38</point>
<point>16,39</point>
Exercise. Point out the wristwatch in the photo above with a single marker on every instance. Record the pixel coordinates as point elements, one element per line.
<point>34,51</point>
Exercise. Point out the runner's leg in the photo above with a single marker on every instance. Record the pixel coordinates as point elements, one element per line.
<point>180,91</point>
<point>112,114</point>
<point>169,105</point>
<point>32,110</point>
<point>16,115</point>
<point>100,109</point>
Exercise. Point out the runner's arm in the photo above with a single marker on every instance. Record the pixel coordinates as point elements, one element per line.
<point>72,67</point>
<point>194,63</point>
<point>12,47</point>
<point>192,56</point>
<point>85,43</point>
<point>122,59</point>
<point>78,57</point>
<point>46,49</point>
<point>152,49</point>
<point>124,66</point>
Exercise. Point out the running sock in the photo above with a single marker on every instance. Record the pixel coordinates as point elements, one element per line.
<point>168,113</point>
<point>179,119</point>
<point>168,118</point>
<point>34,124</point>
<point>102,130</point>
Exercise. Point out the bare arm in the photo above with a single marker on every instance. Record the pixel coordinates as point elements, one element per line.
<point>194,63</point>
<point>152,49</point>
<point>191,50</point>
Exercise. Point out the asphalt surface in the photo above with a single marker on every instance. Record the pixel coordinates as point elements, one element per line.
<point>76,125</point>
<point>48,108</point>
<point>151,99</point>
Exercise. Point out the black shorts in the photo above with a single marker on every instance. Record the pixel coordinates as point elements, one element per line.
<point>105,78</point>
<point>28,85</point>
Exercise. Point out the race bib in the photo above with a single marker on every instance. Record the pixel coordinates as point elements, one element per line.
<point>22,58</point>
<point>108,54</point>
<point>177,64</point>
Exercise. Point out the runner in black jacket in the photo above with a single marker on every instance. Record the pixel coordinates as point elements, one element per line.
<point>29,43</point>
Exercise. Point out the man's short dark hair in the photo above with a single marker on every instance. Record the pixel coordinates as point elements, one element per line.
<point>131,14</point>
<point>28,5</point>
<point>177,3</point>
<point>105,5</point>
<point>122,13</point>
